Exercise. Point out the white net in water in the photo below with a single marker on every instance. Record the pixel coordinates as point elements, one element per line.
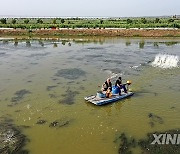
<point>165,61</point>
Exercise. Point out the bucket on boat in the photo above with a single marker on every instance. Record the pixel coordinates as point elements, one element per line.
<point>115,90</point>
<point>100,94</point>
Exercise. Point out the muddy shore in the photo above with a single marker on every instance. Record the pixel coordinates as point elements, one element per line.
<point>93,32</point>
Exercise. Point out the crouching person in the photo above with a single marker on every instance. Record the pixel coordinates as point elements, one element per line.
<point>120,85</point>
<point>107,87</point>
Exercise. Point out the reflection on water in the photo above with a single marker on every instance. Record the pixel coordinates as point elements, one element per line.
<point>44,81</point>
<point>55,45</point>
<point>141,44</point>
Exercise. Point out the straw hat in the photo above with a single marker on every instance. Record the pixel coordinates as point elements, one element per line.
<point>129,82</point>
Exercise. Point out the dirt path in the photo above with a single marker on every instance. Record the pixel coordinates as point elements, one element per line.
<point>94,32</point>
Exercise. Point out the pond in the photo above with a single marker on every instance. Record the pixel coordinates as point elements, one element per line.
<point>43,83</point>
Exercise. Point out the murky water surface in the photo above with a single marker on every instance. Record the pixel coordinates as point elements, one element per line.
<point>43,85</point>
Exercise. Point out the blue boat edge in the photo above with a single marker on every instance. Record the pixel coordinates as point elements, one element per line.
<point>108,100</point>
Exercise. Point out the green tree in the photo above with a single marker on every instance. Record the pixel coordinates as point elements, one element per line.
<point>62,21</point>
<point>175,25</point>
<point>26,21</point>
<point>39,21</point>
<point>157,20</point>
<point>170,20</point>
<point>13,21</point>
<point>129,21</point>
<point>3,20</point>
<point>95,26</point>
<point>143,20</point>
<point>54,21</point>
<point>101,21</point>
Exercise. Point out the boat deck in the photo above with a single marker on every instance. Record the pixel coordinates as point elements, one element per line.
<point>102,101</point>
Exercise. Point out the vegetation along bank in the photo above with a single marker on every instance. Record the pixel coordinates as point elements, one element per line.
<point>126,27</point>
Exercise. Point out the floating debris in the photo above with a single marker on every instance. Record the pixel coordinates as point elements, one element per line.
<point>95,48</point>
<point>40,122</point>
<point>11,139</point>
<point>18,111</point>
<point>49,88</point>
<point>112,61</point>
<point>52,96</point>
<point>82,88</point>
<point>39,54</point>
<point>125,144</point>
<point>2,53</point>
<point>59,123</point>
<point>20,95</point>
<point>28,106</point>
<point>93,56</point>
<point>72,73</point>
<point>24,126</point>
<point>33,63</point>
<point>54,124</point>
<point>155,119</point>
<point>151,124</point>
<point>54,79</point>
<point>69,97</point>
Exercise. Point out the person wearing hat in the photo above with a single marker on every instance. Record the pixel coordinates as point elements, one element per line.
<point>120,85</point>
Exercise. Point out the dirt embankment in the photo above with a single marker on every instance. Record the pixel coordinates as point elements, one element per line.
<point>94,32</point>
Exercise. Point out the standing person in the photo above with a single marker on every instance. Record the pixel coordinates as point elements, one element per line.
<point>120,85</point>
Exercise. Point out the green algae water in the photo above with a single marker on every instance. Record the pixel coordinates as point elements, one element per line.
<point>43,84</point>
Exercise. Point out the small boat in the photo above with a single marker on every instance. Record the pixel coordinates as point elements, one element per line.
<point>94,99</point>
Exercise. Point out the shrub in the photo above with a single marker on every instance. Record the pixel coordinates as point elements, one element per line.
<point>101,21</point>
<point>143,20</point>
<point>54,21</point>
<point>13,21</point>
<point>3,20</point>
<point>157,20</point>
<point>175,25</point>
<point>62,21</point>
<point>39,21</point>
<point>170,20</point>
<point>129,21</point>
<point>26,21</point>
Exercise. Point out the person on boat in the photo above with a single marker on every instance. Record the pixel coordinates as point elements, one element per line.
<point>107,87</point>
<point>120,85</point>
